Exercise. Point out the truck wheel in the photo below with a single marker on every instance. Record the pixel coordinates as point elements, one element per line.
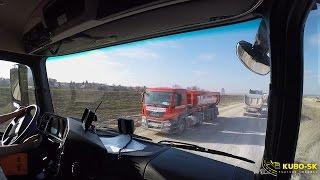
<point>200,117</point>
<point>213,114</point>
<point>216,113</point>
<point>181,126</point>
<point>207,115</point>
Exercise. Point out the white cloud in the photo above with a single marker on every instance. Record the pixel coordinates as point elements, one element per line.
<point>132,53</point>
<point>315,39</point>
<point>95,66</point>
<point>104,66</point>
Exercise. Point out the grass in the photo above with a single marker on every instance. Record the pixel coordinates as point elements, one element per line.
<point>115,104</point>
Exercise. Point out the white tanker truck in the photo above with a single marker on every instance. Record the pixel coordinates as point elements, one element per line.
<point>256,103</point>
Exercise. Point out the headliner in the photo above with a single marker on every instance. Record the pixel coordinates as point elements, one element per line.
<point>150,20</point>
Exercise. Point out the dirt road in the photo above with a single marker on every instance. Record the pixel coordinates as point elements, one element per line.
<point>231,132</point>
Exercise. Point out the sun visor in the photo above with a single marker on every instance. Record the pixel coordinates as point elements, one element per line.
<point>62,27</point>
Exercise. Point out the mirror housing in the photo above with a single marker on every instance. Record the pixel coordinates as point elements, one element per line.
<point>19,85</point>
<point>142,96</point>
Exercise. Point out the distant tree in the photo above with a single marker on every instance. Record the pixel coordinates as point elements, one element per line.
<point>73,92</point>
<point>4,82</point>
<point>52,82</point>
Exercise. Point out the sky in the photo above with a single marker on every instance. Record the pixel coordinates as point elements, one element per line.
<point>312,54</point>
<point>205,58</point>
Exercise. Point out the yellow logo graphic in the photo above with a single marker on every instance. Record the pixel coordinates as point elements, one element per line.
<point>269,167</point>
<point>273,167</point>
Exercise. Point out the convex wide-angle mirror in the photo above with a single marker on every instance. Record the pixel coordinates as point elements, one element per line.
<point>256,57</point>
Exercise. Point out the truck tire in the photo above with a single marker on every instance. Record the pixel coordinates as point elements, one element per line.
<point>215,113</point>
<point>212,114</point>
<point>200,117</point>
<point>207,115</point>
<point>182,125</point>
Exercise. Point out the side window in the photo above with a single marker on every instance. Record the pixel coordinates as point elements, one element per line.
<point>6,100</point>
<point>308,146</point>
<point>178,99</point>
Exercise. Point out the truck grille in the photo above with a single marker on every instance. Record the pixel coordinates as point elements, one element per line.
<point>155,114</point>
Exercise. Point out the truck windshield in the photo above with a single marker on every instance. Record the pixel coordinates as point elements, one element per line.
<point>158,98</point>
<point>182,77</point>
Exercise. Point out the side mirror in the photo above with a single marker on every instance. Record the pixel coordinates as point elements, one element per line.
<point>142,96</point>
<point>19,85</point>
<point>255,57</point>
<point>252,58</point>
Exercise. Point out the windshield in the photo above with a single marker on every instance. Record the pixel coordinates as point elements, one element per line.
<point>169,87</point>
<point>157,98</point>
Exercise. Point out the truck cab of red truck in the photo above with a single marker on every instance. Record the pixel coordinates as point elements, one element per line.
<point>171,110</point>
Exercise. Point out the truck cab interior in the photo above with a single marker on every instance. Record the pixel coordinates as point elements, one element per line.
<point>33,31</point>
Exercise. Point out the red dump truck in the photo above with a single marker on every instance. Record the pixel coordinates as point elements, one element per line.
<point>171,110</point>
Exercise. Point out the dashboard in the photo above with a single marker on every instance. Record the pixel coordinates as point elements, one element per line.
<point>71,152</point>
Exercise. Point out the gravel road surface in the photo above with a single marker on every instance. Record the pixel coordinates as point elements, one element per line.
<point>232,132</point>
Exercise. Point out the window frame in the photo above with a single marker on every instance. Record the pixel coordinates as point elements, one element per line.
<point>286,25</point>
<point>38,69</point>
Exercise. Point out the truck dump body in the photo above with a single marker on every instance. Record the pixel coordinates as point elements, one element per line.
<point>254,100</point>
<point>164,109</point>
<point>256,103</point>
<point>203,98</point>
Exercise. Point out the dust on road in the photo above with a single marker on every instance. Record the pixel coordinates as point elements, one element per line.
<point>231,132</point>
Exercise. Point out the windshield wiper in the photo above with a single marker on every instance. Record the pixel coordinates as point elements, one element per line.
<point>141,137</point>
<point>193,147</point>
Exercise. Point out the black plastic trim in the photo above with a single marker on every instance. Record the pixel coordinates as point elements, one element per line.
<point>287,20</point>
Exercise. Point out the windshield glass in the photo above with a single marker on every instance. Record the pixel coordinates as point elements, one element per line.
<point>189,87</point>
<point>158,98</point>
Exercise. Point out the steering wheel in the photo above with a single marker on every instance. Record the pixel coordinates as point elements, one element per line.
<point>21,127</point>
